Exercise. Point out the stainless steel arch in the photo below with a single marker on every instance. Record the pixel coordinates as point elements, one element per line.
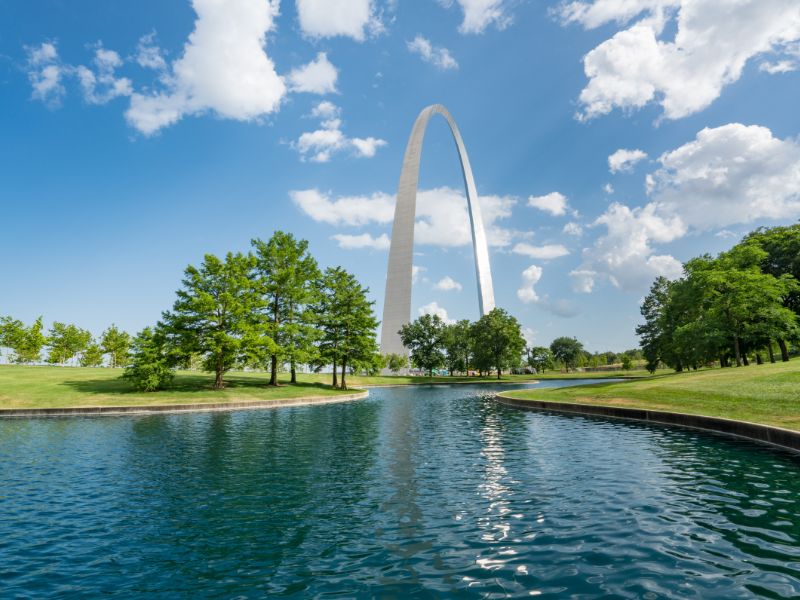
<point>397,300</point>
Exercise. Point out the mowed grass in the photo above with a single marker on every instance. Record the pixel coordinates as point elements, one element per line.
<point>60,387</point>
<point>768,394</point>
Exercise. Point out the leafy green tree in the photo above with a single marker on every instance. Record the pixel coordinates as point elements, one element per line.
<point>425,339</point>
<point>288,279</point>
<point>214,312</point>
<point>540,358</point>
<point>396,362</point>
<point>150,367</point>
<point>66,341</point>
<point>346,319</point>
<point>498,340</point>
<point>458,346</point>
<point>627,363</point>
<point>92,356</point>
<point>116,343</point>
<point>567,350</point>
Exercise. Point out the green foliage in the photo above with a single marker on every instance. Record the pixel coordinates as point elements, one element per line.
<point>396,362</point>
<point>92,356</point>
<point>498,341</point>
<point>116,343</point>
<point>567,350</point>
<point>26,343</point>
<point>214,312</point>
<point>65,341</point>
<point>540,358</point>
<point>627,363</point>
<point>425,340</point>
<point>150,368</point>
<point>458,343</point>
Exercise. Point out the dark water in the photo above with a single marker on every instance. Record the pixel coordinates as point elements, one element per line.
<point>425,492</point>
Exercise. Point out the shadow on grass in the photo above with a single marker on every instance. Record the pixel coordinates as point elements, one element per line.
<point>184,383</point>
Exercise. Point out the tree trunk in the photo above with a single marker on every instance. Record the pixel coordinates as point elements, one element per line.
<point>784,350</point>
<point>771,352</point>
<point>737,351</point>
<point>745,360</point>
<point>335,380</point>
<point>273,370</point>
<point>294,373</point>
<point>499,372</point>
<point>759,360</point>
<point>344,371</point>
<point>218,382</point>
<point>723,361</point>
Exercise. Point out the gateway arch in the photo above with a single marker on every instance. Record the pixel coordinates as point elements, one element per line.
<point>397,300</point>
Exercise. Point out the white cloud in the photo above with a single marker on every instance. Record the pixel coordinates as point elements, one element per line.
<point>224,69</point>
<point>45,73</point>
<point>438,57</point>
<point>529,335</point>
<point>623,160</point>
<point>546,252</point>
<point>317,77</point>
<point>608,188</point>
<point>624,255</point>
<point>148,54</point>
<point>433,308</point>
<point>448,284</point>
<point>330,18</point>
<point>102,86</point>
<point>416,271</point>
<point>573,228</point>
<point>530,277</point>
<point>346,210</point>
<point>364,240</point>
<point>554,203</point>
<point>713,41</point>
<point>727,175</point>
<point>320,145</point>
<point>725,234</point>
<point>479,14</point>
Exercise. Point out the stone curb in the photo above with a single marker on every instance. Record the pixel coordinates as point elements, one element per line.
<point>776,436</point>
<point>85,411</point>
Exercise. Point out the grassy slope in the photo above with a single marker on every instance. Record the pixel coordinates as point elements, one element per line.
<point>768,394</point>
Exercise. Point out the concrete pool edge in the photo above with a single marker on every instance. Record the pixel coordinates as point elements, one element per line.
<point>767,434</point>
<point>87,411</point>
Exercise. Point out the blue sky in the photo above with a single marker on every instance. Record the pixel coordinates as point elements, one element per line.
<point>611,140</point>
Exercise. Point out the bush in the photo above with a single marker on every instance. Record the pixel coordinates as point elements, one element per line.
<point>150,368</point>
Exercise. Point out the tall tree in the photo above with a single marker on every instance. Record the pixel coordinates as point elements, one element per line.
<point>498,340</point>
<point>288,277</point>
<point>424,338</point>
<point>92,356</point>
<point>66,341</point>
<point>540,358</point>
<point>567,350</point>
<point>458,346</point>
<point>151,364</point>
<point>213,314</point>
<point>116,343</point>
<point>347,321</point>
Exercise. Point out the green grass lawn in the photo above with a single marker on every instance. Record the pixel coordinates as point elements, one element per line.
<point>60,387</point>
<point>767,394</point>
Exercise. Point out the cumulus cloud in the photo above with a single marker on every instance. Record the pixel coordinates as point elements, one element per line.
<point>554,203</point>
<point>573,228</point>
<point>479,14</point>
<point>148,54</point>
<point>317,77</point>
<point>416,271</point>
<point>530,277</point>
<point>546,252</point>
<point>727,175</point>
<point>45,73</point>
<point>224,69</point>
<point>320,145</point>
<point>364,240</point>
<point>101,84</point>
<point>713,41</point>
<point>433,308</point>
<point>448,284</point>
<point>623,160</point>
<point>330,18</point>
<point>347,210</point>
<point>438,57</point>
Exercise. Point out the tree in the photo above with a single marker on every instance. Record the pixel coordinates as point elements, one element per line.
<point>150,367</point>
<point>498,340</point>
<point>287,276</point>
<point>214,312</point>
<point>92,356</point>
<point>26,343</point>
<point>540,358</point>
<point>65,342</point>
<point>347,322</point>
<point>627,363</point>
<point>425,340</point>
<point>458,345</point>
<point>116,343</point>
<point>567,350</point>
<point>396,362</point>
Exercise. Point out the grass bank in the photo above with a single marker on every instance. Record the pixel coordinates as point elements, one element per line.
<point>767,394</point>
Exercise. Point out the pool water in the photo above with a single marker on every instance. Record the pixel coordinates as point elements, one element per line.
<point>426,492</point>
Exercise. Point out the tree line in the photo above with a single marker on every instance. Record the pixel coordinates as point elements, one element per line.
<point>737,306</point>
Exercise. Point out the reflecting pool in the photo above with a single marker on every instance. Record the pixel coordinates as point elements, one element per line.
<point>431,491</point>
